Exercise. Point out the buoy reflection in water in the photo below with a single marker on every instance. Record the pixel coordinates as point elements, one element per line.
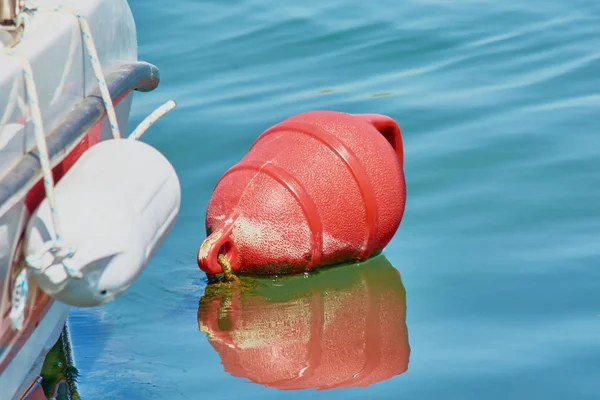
<point>340,327</point>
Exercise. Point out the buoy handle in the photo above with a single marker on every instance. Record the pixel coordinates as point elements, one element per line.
<point>389,129</point>
<point>208,253</point>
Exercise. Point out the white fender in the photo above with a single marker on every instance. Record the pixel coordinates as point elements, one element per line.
<point>116,205</point>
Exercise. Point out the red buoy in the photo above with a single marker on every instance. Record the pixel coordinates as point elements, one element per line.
<point>317,189</point>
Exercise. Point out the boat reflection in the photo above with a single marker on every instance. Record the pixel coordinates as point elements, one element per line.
<point>340,327</point>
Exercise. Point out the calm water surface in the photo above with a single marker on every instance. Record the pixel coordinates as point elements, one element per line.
<point>499,249</point>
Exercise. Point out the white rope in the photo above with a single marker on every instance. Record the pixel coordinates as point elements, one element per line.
<point>151,119</point>
<point>88,41</point>
<point>56,247</point>
<point>95,61</point>
<point>40,138</point>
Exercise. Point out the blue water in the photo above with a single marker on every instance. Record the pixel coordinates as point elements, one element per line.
<point>499,248</point>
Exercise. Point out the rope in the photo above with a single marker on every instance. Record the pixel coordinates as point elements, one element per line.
<point>40,138</point>
<point>151,119</point>
<point>228,275</point>
<point>39,263</point>
<point>88,41</point>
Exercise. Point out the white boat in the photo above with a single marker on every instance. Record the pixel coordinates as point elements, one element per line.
<point>47,67</point>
